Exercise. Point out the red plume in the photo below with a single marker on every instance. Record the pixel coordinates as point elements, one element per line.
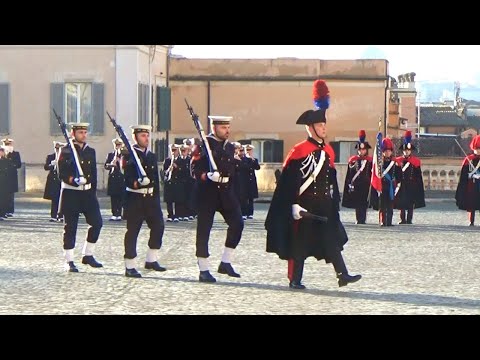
<point>362,134</point>
<point>320,89</point>
<point>408,133</point>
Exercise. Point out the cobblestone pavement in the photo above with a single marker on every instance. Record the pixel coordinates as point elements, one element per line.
<point>430,267</point>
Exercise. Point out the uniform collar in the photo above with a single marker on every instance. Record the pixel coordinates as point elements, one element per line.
<point>315,142</point>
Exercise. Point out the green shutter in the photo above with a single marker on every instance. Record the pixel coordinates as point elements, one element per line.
<point>164,107</point>
<point>57,102</point>
<point>4,109</point>
<point>98,109</point>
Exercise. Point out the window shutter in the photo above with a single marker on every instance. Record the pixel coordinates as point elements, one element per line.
<point>57,102</point>
<point>4,109</point>
<point>277,151</point>
<point>164,97</point>
<point>98,109</point>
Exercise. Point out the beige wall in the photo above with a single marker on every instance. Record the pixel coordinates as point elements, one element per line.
<point>269,108</point>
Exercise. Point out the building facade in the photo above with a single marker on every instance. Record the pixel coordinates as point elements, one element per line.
<point>81,82</point>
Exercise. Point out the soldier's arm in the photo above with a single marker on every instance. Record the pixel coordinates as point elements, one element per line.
<point>108,161</point>
<point>93,165</point>
<point>255,164</point>
<point>65,166</point>
<point>156,176</point>
<point>48,166</point>
<point>17,161</point>
<point>131,176</point>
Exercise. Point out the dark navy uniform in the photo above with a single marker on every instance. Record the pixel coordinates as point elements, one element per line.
<point>171,184</point>
<point>116,184</point>
<point>214,194</point>
<point>143,204</point>
<point>15,163</point>
<point>357,186</point>
<point>52,186</point>
<point>4,168</point>
<point>250,187</point>
<point>79,199</point>
<point>385,201</point>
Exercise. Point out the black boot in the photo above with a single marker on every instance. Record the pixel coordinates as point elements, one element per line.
<point>154,266</point>
<point>205,276</point>
<point>133,273</point>
<point>472,218</point>
<point>90,260</point>
<point>342,273</point>
<point>296,281</point>
<point>410,216</point>
<point>71,267</point>
<point>226,268</point>
<point>403,221</point>
<point>345,279</point>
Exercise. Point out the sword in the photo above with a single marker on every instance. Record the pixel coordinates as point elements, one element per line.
<point>308,215</point>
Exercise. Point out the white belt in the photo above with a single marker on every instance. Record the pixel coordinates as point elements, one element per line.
<point>77,188</point>
<point>222,180</point>
<point>141,191</point>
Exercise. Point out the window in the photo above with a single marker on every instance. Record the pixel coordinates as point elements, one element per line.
<point>143,104</point>
<point>78,102</point>
<point>266,150</point>
<point>4,109</point>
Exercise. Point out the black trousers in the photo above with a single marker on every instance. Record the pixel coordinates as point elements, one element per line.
<point>337,262</point>
<point>142,208</point>
<point>170,211</point>
<point>11,203</point>
<point>54,207</point>
<point>206,214</point>
<point>247,207</point>
<point>116,202</point>
<point>75,203</point>
<point>361,214</point>
<point>406,215</point>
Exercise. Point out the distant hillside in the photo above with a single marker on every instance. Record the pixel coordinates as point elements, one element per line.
<point>441,91</point>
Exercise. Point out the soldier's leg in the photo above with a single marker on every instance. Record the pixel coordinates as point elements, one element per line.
<point>233,217</point>
<point>403,219</point>
<point>11,203</point>
<point>244,207</point>
<point>472,217</point>
<point>341,270</point>
<point>250,209</point>
<point>295,273</point>
<point>154,219</point>
<point>54,207</point>
<point>410,215</point>
<point>115,204</point>
<point>206,214</point>
<point>94,220</point>
<point>69,235</point>
<point>170,210</point>
<point>360,216</point>
<point>134,223</point>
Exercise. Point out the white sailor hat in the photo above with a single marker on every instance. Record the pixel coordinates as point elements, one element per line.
<point>141,129</point>
<point>7,141</point>
<point>79,126</point>
<point>220,120</point>
<point>117,141</point>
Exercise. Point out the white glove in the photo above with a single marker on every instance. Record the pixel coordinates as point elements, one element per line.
<point>214,176</point>
<point>296,211</point>
<point>476,176</point>
<point>80,181</point>
<point>144,182</point>
<point>53,162</point>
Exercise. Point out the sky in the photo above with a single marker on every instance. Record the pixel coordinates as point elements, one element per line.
<point>431,63</point>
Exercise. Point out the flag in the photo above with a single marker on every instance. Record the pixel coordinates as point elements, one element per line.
<point>376,180</point>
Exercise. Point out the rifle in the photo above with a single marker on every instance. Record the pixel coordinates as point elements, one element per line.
<point>206,145</point>
<point>169,171</point>
<point>309,215</point>
<point>142,175</point>
<point>63,127</point>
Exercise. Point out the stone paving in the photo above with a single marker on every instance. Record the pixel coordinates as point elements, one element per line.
<point>430,267</point>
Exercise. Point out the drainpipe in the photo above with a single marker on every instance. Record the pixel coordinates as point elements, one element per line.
<point>208,106</point>
<point>385,113</point>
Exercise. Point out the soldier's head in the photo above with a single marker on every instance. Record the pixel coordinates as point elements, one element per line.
<point>7,142</point>
<point>362,146</point>
<point>407,146</point>
<point>185,150</point>
<point>79,132</point>
<point>57,145</point>
<point>315,121</point>
<point>141,135</point>
<point>249,150</point>
<point>387,147</point>
<point>175,150</point>
<point>117,143</point>
<point>475,145</point>
<point>221,126</point>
